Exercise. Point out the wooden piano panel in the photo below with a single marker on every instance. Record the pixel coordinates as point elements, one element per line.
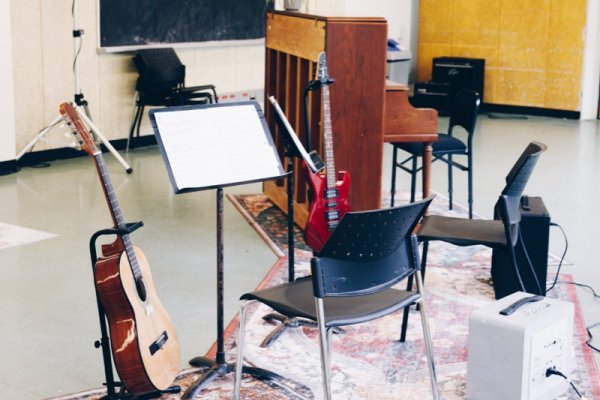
<point>404,123</point>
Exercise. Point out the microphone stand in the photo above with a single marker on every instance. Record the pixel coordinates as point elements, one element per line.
<point>79,100</point>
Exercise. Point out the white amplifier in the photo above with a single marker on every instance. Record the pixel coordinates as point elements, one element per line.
<point>512,343</point>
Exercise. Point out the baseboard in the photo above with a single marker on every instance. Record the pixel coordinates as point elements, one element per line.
<point>8,167</point>
<point>45,156</point>
<point>542,112</point>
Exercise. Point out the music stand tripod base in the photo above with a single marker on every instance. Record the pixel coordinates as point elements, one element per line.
<point>216,369</point>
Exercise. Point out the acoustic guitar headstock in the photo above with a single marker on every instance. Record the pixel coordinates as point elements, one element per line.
<point>78,128</point>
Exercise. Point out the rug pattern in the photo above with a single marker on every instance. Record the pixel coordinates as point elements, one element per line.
<point>368,360</point>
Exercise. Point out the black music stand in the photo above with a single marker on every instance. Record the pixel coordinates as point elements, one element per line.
<point>203,147</point>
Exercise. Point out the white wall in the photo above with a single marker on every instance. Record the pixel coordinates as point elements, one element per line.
<point>43,77</point>
<point>7,108</point>
<point>396,12</point>
<point>590,78</point>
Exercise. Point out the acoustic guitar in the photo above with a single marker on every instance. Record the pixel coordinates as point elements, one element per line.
<point>330,189</point>
<point>142,337</point>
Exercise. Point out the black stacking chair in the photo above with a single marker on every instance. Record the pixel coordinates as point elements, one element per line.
<point>503,230</point>
<point>351,281</point>
<point>500,233</point>
<point>464,112</point>
<point>161,82</point>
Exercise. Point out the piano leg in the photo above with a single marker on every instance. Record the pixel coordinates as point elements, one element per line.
<point>427,157</point>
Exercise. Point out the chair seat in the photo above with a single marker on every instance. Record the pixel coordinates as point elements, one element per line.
<point>445,145</point>
<point>296,299</point>
<point>463,232</point>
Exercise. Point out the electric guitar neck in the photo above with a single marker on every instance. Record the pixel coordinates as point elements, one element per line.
<point>331,188</point>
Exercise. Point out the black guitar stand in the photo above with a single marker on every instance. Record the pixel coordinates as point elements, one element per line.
<point>104,342</point>
<point>219,367</point>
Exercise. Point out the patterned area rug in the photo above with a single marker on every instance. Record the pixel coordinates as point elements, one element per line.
<point>368,361</point>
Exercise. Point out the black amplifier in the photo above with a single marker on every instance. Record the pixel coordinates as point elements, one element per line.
<point>460,72</point>
<point>535,232</point>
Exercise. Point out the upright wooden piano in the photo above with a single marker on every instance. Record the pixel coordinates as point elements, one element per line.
<point>363,107</point>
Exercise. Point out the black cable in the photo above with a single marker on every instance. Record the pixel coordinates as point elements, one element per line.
<point>528,261</point>
<point>552,371</point>
<point>563,255</point>
<point>591,337</point>
<point>591,289</point>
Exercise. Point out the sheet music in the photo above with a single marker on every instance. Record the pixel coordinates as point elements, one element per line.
<point>216,146</point>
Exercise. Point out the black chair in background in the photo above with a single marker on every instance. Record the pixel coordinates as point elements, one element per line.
<point>501,232</point>
<point>161,82</point>
<point>464,112</point>
<point>351,281</point>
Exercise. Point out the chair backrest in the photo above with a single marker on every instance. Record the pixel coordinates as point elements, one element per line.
<point>158,67</point>
<point>507,207</point>
<point>465,108</point>
<point>368,251</point>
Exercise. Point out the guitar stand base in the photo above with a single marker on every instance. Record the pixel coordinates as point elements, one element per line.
<point>285,324</point>
<point>124,395</point>
<point>216,370</point>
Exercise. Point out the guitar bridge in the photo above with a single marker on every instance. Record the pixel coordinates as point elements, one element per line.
<point>159,343</point>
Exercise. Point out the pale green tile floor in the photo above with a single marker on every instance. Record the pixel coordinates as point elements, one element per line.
<point>48,319</point>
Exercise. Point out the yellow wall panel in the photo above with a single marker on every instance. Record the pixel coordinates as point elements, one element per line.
<point>434,19</point>
<point>476,23</point>
<point>426,54</point>
<point>490,83</point>
<point>561,90</point>
<point>533,48</point>
<point>520,88</point>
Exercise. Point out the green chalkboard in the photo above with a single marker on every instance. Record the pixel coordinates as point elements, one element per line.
<point>135,23</point>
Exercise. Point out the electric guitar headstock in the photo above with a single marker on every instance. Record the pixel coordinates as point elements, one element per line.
<point>322,73</point>
<point>78,128</point>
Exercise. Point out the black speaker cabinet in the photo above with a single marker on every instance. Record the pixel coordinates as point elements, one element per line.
<point>535,232</point>
<point>432,95</point>
<point>460,72</point>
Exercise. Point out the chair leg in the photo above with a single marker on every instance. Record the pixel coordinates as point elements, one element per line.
<point>393,185</point>
<point>325,361</point>
<point>470,184</point>
<point>413,179</point>
<point>240,352</point>
<point>427,339</point>
<point>139,124</point>
<point>450,186</point>
<point>409,285</point>
<point>424,258</point>
<point>136,118</point>
<point>404,326</point>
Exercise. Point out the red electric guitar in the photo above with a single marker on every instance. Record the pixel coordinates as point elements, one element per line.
<point>330,189</point>
<point>142,337</point>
